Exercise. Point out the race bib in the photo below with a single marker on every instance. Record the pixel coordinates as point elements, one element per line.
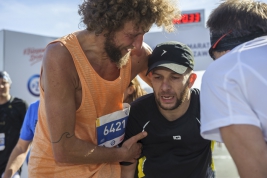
<point>111,127</point>
<point>2,141</point>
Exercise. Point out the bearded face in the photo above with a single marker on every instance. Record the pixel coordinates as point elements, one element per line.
<point>179,99</point>
<point>114,52</point>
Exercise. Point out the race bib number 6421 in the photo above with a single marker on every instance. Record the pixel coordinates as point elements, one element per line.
<point>111,127</point>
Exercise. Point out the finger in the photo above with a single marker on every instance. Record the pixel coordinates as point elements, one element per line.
<point>139,136</point>
<point>134,139</point>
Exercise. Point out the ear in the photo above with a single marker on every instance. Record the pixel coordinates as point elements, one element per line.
<point>149,75</point>
<point>192,79</point>
<point>130,90</point>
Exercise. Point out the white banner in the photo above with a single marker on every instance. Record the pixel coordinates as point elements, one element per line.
<point>23,54</point>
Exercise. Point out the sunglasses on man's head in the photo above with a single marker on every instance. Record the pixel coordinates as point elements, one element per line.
<point>216,43</point>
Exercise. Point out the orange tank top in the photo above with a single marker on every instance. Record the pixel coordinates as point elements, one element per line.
<point>99,98</point>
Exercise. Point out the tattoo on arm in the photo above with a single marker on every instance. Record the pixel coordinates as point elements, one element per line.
<point>68,135</point>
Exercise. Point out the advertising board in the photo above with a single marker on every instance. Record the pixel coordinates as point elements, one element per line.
<point>22,57</point>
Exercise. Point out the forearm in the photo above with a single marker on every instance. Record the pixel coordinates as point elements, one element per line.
<point>128,171</point>
<point>254,164</point>
<point>15,161</point>
<point>72,150</point>
<point>143,76</point>
<point>248,149</point>
<point>76,151</point>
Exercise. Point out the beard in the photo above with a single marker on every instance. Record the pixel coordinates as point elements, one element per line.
<point>179,100</point>
<point>114,52</point>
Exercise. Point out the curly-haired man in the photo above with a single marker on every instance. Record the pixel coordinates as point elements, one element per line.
<point>84,75</point>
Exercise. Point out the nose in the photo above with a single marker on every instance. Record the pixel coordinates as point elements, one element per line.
<point>165,85</point>
<point>138,41</point>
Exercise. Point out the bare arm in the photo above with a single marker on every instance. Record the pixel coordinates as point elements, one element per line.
<point>248,149</point>
<point>62,98</point>
<point>143,76</point>
<point>128,171</point>
<point>17,158</point>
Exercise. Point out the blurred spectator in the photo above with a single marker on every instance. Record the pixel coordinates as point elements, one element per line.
<point>22,148</point>
<point>133,91</point>
<point>12,112</point>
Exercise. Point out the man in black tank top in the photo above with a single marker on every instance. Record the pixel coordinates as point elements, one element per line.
<point>171,117</point>
<point>12,112</point>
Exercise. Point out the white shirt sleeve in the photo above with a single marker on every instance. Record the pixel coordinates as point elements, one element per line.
<point>223,101</point>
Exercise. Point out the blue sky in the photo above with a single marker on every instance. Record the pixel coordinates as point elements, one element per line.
<point>59,17</point>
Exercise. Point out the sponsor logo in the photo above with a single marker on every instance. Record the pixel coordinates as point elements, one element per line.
<point>35,54</point>
<point>112,143</point>
<point>33,85</point>
<point>163,52</point>
<point>102,140</point>
<point>178,137</point>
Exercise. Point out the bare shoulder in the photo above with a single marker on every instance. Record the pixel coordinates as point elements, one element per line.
<point>58,63</point>
<point>139,59</point>
<point>55,53</point>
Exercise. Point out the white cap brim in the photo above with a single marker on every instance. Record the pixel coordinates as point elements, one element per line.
<point>174,67</point>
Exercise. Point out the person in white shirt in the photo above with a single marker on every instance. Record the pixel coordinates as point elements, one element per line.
<point>233,90</point>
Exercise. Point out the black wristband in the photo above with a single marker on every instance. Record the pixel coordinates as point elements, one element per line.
<point>125,163</point>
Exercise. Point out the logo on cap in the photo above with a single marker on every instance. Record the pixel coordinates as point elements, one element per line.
<point>163,52</point>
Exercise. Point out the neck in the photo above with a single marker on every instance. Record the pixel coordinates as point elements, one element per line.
<point>175,114</point>
<point>4,99</point>
<point>90,42</point>
<point>93,47</point>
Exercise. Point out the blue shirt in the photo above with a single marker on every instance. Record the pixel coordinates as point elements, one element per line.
<point>30,121</point>
<point>29,124</point>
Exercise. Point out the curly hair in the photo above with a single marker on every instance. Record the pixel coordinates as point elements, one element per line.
<point>111,15</point>
<point>242,17</point>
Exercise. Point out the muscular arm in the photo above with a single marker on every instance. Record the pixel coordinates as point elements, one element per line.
<point>128,171</point>
<point>17,158</point>
<point>62,87</point>
<point>248,149</point>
